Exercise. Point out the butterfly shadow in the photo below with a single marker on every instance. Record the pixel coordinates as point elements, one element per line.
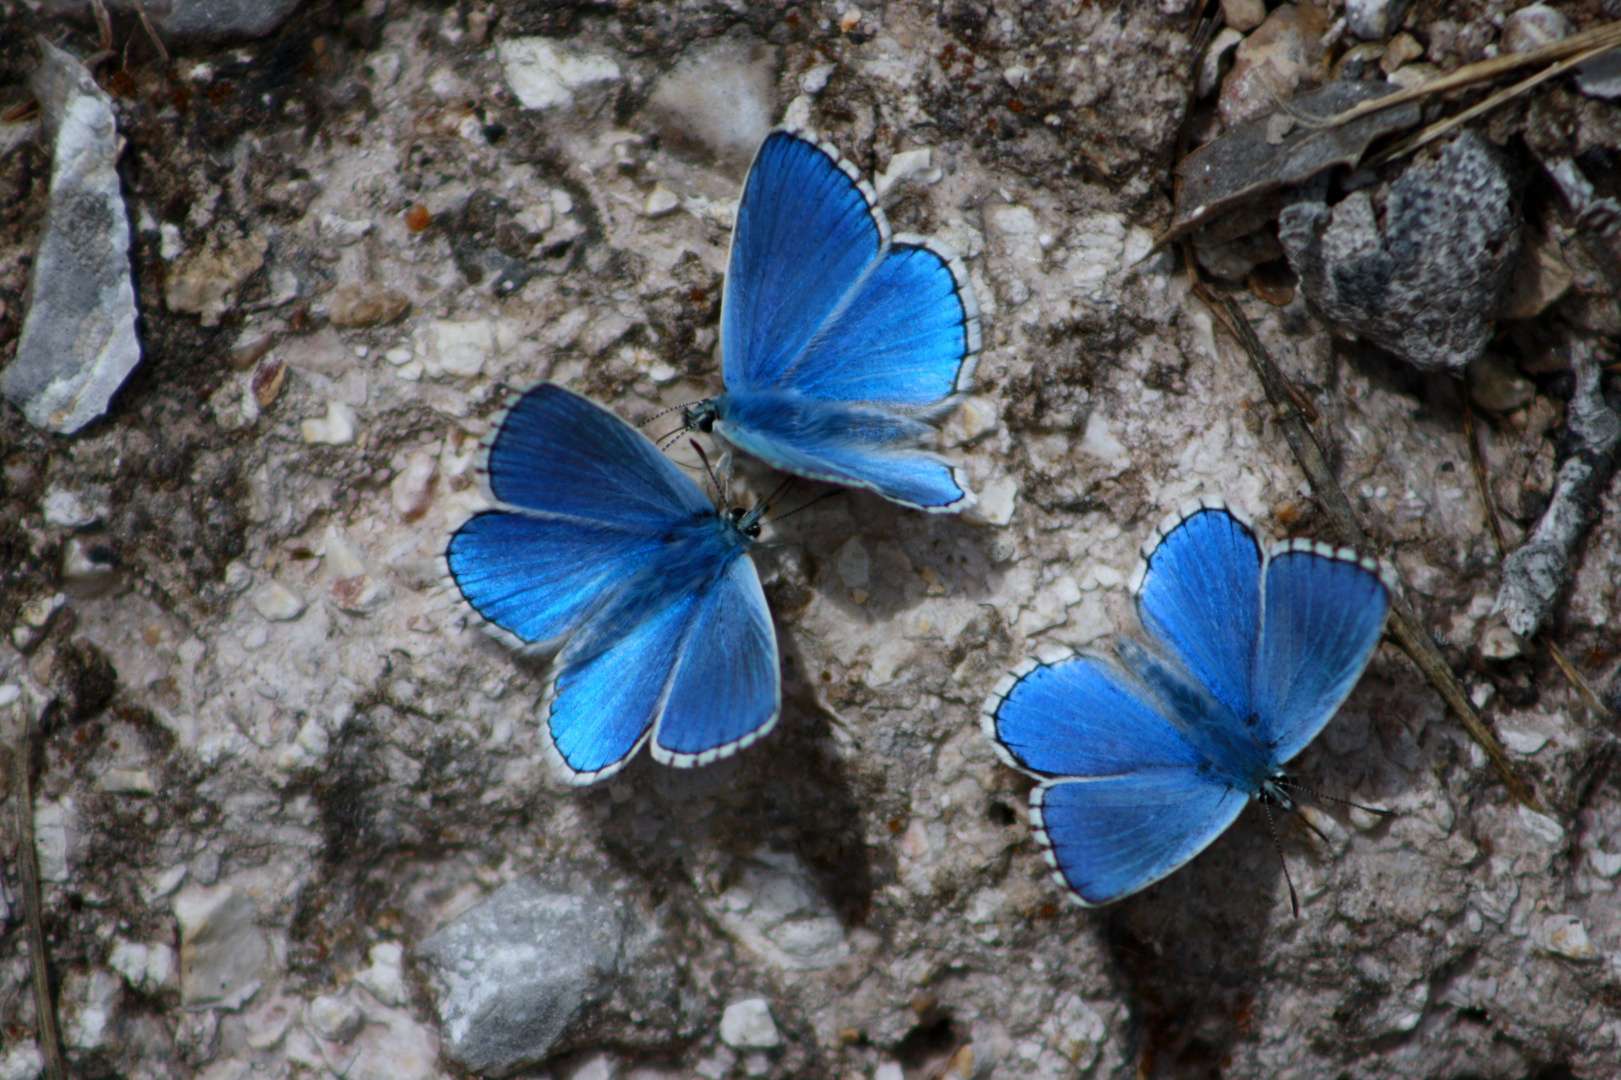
<point>903,556</point>
<point>1191,951</point>
<point>781,814</point>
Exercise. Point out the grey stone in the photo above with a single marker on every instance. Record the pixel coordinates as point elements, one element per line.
<point>1424,284</point>
<point>223,953</point>
<point>78,339</point>
<point>1372,20</point>
<point>182,21</point>
<point>532,964</point>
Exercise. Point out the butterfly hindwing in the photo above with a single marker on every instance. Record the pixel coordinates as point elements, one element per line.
<point>1199,594</point>
<point>725,690</point>
<point>807,230</point>
<point>1324,611</point>
<point>1111,836</point>
<point>1124,800</point>
<point>536,577</point>
<point>847,445</point>
<point>602,709</point>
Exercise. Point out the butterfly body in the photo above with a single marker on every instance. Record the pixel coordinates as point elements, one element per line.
<point>839,339</point>
<point>600,551</point>
<point>1146,757</point>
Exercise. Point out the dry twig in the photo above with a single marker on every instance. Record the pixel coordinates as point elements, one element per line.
<point>50,1042</point>
<point>1539,569</point>
<point>1598,40</point>
<point>1403,625</point>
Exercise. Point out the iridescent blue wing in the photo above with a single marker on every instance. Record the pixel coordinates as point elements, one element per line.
<point>725,691</point>
<point>845,444</point>
<point>808,227</point>
<point>907,336</point>
<point>1080,716</point>
<point>1125,799</point>
<point>602,709</point>
<point>537,578</point>
<point>1324,611</point>
<point>554,452</point>
<point>823,308</point>
<point>585,500</point>
<point>1108,837</point>
<point>1199,592</point>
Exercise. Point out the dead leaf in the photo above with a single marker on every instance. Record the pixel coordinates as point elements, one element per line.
<point>1264,154</point>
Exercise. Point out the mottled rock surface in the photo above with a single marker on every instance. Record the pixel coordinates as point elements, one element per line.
<point>280,752</point>
<point>1418,268</point>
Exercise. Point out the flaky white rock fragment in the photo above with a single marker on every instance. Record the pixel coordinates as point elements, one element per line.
<point>747,1024</point>
<point>78,340</point>
<point>545,74</point>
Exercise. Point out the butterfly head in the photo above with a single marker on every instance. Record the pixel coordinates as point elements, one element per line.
<point>701,416</point>
<point>746,522</point>
<point>1272,794</point>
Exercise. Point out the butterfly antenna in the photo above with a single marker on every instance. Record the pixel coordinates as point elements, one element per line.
<point>667,412</point>
<point>1335,798</point>
<point>666,441</point>
<point>807,506</point>
<point>1277,845</point>
<point>703,457</point>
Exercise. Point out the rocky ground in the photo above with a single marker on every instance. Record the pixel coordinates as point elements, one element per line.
<point>291,812</point>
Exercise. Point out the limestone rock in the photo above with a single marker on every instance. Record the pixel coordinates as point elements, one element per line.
<point>78,339</point>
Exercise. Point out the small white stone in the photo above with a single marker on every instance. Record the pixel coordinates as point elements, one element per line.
<point>722,95</point>
<point>128,782</point>
<point>337,428</point>
<point>411,491</point>
<point>1500,643</point>
<point>814,81</point>
<point>22,1063</point>
<point>336,1019</point>
<point>747,1024</point>
<point>545,74</point>
<point>1564,935</point>
<point>1542,826</point>
<point>979,418</point>
<point>69,510</point>
<point>995,505</point>
<point>903,166</point>
<point>463,347</point>
<point>53,838</point>
<point>128,958</point>
<point>384,978</point>
<point>1099,440</point>
<point>1522,742</point>
<point>889,1070</point>
<point>399,356</point>
<point>660,201</point>
<point>277,603</point>
<point>223,953</point>
<point>600,1067</point>
<point>1605,863</point>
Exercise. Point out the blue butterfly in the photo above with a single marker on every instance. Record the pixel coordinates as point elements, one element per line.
<point>1143,763</point>
<point>839,341</point>
<point>604,552</point>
